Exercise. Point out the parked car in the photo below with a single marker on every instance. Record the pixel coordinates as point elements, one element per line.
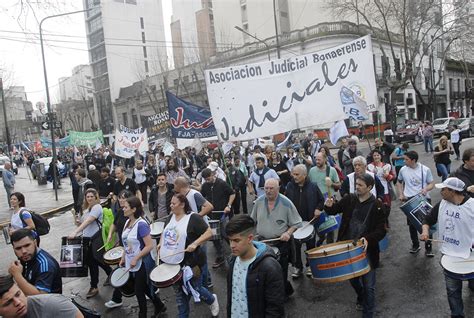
<point>46,161</point>
<point>465,125</point>
<point>409,132</point>
<point>3,160</point>
<point>441,126</point>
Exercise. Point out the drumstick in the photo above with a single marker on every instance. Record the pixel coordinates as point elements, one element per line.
<point>466,261</point>
<point>124,274</point>
<point>435,241</point>
<point>174,254</point>
<point>102,247</point>
<point>271,240</point>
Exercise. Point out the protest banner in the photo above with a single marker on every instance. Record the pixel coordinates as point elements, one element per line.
<point>187,120</point>
<point>128,140</point>
<point>267,98</point>
<point>60,143</point>
<point>157,126</point>
<point>78,138</point>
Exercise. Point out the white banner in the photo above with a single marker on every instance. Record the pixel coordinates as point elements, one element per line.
<point>263,99</point>
<point>128,140</point>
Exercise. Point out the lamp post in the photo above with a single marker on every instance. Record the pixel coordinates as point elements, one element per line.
<point>254,37</point>
<point>48,102</point>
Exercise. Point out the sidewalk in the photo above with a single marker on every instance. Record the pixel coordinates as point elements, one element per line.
<point>39,198</point>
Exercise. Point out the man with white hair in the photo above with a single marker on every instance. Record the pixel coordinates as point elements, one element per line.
<point>277,217</point>
<point>360,167</point>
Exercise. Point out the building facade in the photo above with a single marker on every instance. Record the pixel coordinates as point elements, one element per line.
<point>78,86</point>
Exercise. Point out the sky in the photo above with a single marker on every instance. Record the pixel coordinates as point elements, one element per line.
<point>65,45</point>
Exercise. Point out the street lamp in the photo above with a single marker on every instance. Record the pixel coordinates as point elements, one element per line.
<point>253,36</point>
<point>48,103</point>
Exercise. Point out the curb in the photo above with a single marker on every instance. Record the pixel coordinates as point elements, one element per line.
<point>46,213</point>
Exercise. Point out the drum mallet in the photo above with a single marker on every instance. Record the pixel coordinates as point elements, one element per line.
<point>434,241</point>
<point>173,254</point>
<point>124,274</point>
<point>102,247</point>
<point>271,240</point>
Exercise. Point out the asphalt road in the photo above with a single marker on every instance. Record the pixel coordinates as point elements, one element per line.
<point>407,285</point>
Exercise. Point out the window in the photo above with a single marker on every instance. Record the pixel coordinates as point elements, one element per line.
<point>99,68</point>
<point>146,67</point>
<point>125,119</point>
<point>96,38</point>
<point>144,52</point>
<point>98,53</point>
<point>185,79</point>
<point>142,23</point>
<point>283,14</point>
<point>385,66</point>
<point>143,37</point>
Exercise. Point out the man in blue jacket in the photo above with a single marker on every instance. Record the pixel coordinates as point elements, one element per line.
<point>255,285</point>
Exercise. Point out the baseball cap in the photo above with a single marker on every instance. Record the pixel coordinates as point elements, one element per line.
<point>91,167</point>
<point>213,166</point>
<point>452,183</point>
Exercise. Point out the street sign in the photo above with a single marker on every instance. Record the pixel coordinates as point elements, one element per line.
<point>51,116</point>
<point>57,125</point>
<point>45,125</point>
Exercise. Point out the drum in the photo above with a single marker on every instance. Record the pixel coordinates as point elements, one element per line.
<point>113,256</point>
<point>458,268</point>
<point>120,278</point>
<point>331,224</point>
<point>217,215</point>
<point>215,229</point>
<point>338,261</point>
<point>416,210</point>
<point>156,229</point>
<point>72,260</point>
<point>305,233</point>
<point>165,275</point>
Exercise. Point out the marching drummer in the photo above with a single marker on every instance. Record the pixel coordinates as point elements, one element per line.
<point>456,229</point>
<point>277,217</point>
<point>181,243</point>
<point>308,200</point>
<point>363,219</point>
<point>138,244</point>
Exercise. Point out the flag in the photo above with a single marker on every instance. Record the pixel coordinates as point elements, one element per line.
<point>89,149</point>
<point>226,147</point>
<point>285,142</point>
<point>355,107</point>
<point>76,154</point>
<point>98,144</point>
<point>25,146</point>
<point>337,131</point>
<point>197,144</point>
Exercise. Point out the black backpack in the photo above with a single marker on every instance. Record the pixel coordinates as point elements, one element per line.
<point>41,223</point>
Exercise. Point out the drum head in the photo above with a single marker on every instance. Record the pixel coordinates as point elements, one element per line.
<point>119,277</point>
<point>304,232</point>
<point>157,228</point>
<point>164,272</point>
<point>458,265</point>
<point>334,248</point>
<point>114,254</point>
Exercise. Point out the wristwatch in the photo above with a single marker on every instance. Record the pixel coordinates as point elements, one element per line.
<point>229,206</point>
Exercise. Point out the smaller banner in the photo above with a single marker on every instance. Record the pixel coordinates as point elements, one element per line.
<point>78,138</point>
<point>128,140</point>
<point>60,143</point>
<point>337,131</point>
<point>168,149</point>
<point>157,126</point>
<point>189,121</point>
<point>354,106</point>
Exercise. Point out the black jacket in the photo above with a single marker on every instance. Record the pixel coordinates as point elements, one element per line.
<point>375,230</point>
<point>310,192</point>
<point>265,287</point>
<point>153,199</point>
<point>462,174</point>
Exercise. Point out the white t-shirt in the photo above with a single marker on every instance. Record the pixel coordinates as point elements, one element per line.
<point>415,179</point>
<point>15,220</point>
<point>92,228</point>
<point>239,305</point>
<point>455,136</point>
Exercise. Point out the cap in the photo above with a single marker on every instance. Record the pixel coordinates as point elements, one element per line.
<point>452,183</point>
<point>91,167</point>
<point>213,166</point>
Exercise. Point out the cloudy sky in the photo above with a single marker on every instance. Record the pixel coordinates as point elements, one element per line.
<point>66,44</point>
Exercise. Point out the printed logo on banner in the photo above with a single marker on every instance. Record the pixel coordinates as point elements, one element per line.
<point>189,121</point>
<point>128,140</point>
<point>262,99</point>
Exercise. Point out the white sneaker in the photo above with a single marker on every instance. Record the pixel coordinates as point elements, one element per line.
<point>113,304</point>
<point>214,307</point>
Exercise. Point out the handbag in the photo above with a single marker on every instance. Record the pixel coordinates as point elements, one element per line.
<point>97,242</point>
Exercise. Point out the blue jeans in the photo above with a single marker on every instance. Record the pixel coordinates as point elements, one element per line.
<point>428,142</point>
<point>444,170</point>
<point>364,286</point>
<point>182,300</point>
<point>454,290</point>
<point>205,274</point>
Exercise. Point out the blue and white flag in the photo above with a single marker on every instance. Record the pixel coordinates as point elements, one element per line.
<point>284,143</point>
<point>189,121</point>
<point>354,106</point>
<point>337,131</point>
<point>25,146</point>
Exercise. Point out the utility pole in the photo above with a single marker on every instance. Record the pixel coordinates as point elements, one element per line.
<point>7,131</point>
<point>276,30</point>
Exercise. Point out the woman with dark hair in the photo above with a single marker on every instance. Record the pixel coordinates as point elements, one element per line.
<point>21,218</point>
<point>138,244</point>
<point>385,174</point>
<point>185,232</point>
<point>90,225</point>
<point>216,156</point>
<point>281,169</point>
<point>173,171</point>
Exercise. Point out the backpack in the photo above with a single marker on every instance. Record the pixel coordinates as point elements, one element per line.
<point>41,223</point>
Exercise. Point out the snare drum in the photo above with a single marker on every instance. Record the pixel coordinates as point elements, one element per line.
<point>156,229</point>
<point>305,233</point>
<point>120,278</point>
<point>215,229</point>
<point>165,275</point>
<point>458,268</point>
<point>338,261</point>
<point>113,256</point>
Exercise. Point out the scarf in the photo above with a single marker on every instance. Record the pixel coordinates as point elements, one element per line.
<point>261,182</point>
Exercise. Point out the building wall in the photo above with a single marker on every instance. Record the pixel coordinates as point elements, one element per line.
<point>78,86</point>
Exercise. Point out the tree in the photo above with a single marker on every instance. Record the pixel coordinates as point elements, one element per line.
<point>414,30</point>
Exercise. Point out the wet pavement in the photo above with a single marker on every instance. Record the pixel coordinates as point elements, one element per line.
<point>407,285</point>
